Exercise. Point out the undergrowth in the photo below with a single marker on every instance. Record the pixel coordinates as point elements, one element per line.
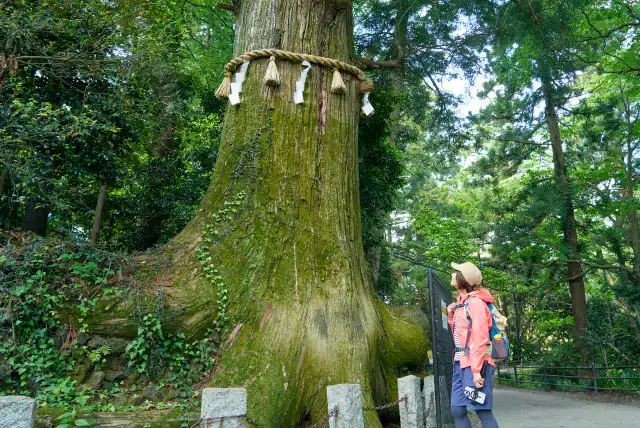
<point>43,281</point>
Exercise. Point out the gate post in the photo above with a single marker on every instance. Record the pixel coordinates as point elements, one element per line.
<point>412,408</point>
<point>347,400</point>
<point>429,393</point>
<point>223,407</point>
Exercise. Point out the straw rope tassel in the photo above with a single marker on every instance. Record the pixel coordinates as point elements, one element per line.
<point>337,85</point>
<point>225,87</point>
<point>272,77</point>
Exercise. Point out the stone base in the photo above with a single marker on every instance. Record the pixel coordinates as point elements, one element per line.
<point>17,411</point>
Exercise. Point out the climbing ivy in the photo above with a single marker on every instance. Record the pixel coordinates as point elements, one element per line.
<point>210,235</point>
<point>152,349</point>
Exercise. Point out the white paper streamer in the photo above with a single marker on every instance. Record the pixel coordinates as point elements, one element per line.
<point>236,86</point>
<point>367,108</point>
<point>298,94</point>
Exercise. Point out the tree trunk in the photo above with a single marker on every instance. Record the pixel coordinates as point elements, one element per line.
<point>3,178</point>
<point>633,214</point>
<point>164,143</point>
<point>35,217</point>
<point>97,218</point>
<point>574,269</point>
<point>279,233</point>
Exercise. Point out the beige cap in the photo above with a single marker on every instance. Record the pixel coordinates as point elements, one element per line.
<point>470,272</point>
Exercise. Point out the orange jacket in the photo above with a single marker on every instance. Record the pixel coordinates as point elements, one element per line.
<point>480,325</point>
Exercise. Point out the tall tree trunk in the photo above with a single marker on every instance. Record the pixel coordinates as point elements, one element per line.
<point>3,178</point>
<point>574,269</point>
<point>35,217</point>
<point>279,233</point>
<point>97,218</point>
<point>163,145</point>
<point>633,214</point>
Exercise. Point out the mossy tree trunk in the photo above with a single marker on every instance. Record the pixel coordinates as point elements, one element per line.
<point>279,232</point>
<point>273,258</point>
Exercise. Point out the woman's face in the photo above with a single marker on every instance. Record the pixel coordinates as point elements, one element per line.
<point>454,283</point>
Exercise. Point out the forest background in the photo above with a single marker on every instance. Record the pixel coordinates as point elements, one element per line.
<point>504,133</point>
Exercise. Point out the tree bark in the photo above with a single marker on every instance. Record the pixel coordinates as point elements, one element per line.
<point>574,269</point>
<point>164,144</point>
<point>279,233</point>
<point>97,218</point>
<point>3,178</point>
<point>35,217</point>
<point>633,214</point>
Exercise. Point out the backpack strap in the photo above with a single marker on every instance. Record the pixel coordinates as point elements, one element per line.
<point>466,348</point>
<point>466,311</point>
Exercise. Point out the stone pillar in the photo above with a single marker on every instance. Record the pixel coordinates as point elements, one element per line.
<point>17,412</point>
<point>347,398</point>
<point>223,408</point>
<point>429,394</point>
<point>412,409</point>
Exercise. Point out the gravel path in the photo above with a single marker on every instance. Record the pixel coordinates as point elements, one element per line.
<point>529,409</point>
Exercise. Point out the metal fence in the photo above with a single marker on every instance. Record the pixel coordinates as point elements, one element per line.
<point>573,378</point>
<point>442,347</point>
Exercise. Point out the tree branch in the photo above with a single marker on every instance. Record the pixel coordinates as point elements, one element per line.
<point>226,6</point>
<point>402,24</point>
<point>369,64</point>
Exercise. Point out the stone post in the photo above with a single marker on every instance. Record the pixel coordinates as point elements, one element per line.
<point>347,398</point>
<point>429,392</point>
<point>223,408</point>
<point>412,408</point>
<point>17,411</point>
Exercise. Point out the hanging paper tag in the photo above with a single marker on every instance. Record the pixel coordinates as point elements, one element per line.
<point>367,108</point>
<point>234,98</point>
<point>298,94</point>
<point>236,86</point>
<point>243,71</point>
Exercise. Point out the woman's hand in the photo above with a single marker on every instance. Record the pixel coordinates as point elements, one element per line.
<point>477,380</point>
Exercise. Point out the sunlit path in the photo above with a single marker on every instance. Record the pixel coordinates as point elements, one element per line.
<point>529,409</point>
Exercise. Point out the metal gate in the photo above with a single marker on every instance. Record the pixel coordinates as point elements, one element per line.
<point>442,346</point>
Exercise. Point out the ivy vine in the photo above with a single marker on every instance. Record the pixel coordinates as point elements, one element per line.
<point>211,234</point>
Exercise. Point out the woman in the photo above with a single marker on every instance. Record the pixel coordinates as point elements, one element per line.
<point>471,346</point>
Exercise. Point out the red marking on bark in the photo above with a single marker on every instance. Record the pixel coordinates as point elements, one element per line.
<point>267,314</point>
<point>235,331</point>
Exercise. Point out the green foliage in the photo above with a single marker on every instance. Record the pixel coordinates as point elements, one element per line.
<point>446,235</point>
<point>40,279</point>
<point>153,350</point>
<point>98,356</point>
<point>159,195</point>
<point>381,176</point>
<point>44,281</point>
<point>123,84</point>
